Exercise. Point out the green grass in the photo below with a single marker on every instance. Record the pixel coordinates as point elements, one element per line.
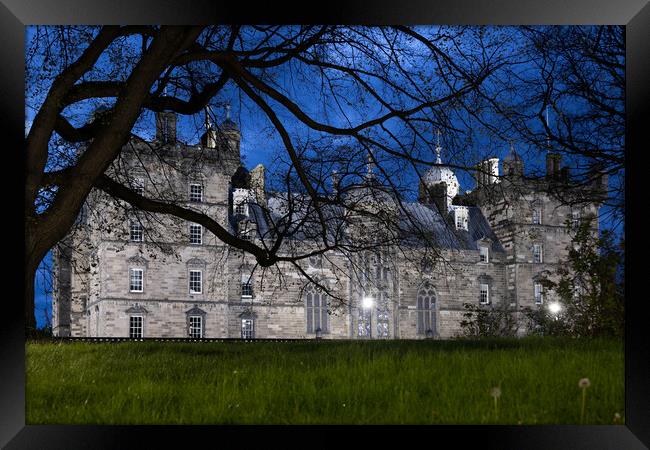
<point>349,382</point>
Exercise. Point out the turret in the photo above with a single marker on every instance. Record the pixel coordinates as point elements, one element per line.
<point>513,165</point>
<point>439,185</point>
<point>166,127</point>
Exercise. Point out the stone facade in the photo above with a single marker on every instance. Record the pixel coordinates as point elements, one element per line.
<point>130,274</point>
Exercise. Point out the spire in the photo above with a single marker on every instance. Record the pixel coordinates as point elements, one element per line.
<point>370,163</point>
<point>438,148</point>
<point>548,145</point>
<point>208,123</point>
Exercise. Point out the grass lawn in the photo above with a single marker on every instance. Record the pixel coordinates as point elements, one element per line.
<point>343,382</point>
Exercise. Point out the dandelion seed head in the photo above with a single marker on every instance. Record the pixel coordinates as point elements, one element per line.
<point>584,383</point>
<point>495,392</point>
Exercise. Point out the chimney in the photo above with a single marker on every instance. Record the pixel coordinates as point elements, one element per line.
<point>258,184</point>
<point>438,195</point>
<point>487,172</point>
<point>166,127</point>
<point>336,181</point>
<point>553,165</point>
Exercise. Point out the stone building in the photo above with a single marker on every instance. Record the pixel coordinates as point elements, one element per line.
<point>123,273</point>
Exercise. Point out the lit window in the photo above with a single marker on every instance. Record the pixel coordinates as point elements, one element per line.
<point>461,217</point>
<point>485,294</point>
<point>537,253</point>
<point>247,329</point>
<point>135,327</point>
<point>241,209</point>
<point>195,282</point>
<point>136,280</point>
<point>196,327</point>
<point>575,218</point>
<point>246,289</point>
<point>383,315</point>
<point>196,234</point>
<point>136,232</point>
<point>364,324</point>
<point>196,192</point>
<point>537,216</point>
<point>316,305</point>
<point>484,254</point>
<point>539,294</point>
<point>426,310</point>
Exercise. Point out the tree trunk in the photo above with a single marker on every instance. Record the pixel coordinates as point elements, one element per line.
<point>30,317</point>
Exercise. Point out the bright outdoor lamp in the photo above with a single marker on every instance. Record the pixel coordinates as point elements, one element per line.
<point>554,307</point>
<point>367,302</point>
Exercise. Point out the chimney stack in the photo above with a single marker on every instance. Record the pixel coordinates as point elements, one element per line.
<point>553,161</point>
<point>166,127</point>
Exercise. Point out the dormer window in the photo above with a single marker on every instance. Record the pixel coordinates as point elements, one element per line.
<point>484,253</point>
<point>241,209</point>
<point>461,217</point>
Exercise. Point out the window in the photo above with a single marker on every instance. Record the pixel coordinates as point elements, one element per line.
<point>245,235</point>
<point>246,289</point>
<point>136,280</point>
<point>575,218</point>
<point>196,192</point>
<point>537,216</point>
<point>247,329</point>
<point>241,208</point>
<point>539,294</point>
<point>136,232</point>
<point>316,305</point>
<point>138,185</point>
<point>485,294</point>
<point>382,272</point>
<point>135,327</point>
<point>461,215</point>
<point>364,325</point>
<point>426,310</point>
<point>537,253</point>
<point>196,234</point>
<point>315,261</point>
<point>195,281</point>
<point>426,265</point>
<point>196,327</point>
<point>484,254</point>
<point>383,315</point>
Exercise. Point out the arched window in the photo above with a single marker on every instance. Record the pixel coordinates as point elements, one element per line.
<point>426,309</point>
<point>383,313</point>
<point>316,306</point>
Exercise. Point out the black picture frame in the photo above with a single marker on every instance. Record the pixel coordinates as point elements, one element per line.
<point>634,14</point>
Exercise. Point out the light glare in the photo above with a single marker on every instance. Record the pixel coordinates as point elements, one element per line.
<point>554,307</point>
